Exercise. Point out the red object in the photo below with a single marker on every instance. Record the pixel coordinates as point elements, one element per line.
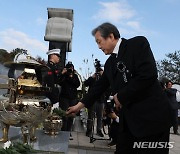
<point>49,73</point>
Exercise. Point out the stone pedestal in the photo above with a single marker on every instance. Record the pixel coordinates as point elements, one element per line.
<point>56,143</point>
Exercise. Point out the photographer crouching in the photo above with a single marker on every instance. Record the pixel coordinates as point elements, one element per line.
<point>69,82</point>
<point>111,119</point>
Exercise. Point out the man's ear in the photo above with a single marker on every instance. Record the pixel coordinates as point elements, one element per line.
<point>111,36</point>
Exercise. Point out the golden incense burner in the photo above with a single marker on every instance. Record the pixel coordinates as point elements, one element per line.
<point>25,104</point>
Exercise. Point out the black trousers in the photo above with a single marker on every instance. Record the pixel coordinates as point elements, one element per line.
<point>95,111</point>
<point>174,115</point>
<point>127,143</point>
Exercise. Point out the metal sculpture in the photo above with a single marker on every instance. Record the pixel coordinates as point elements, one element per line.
<point>25,104</point>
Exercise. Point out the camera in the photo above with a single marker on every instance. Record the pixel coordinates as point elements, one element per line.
<point>69,66</point>
<point>109,108</point>
<point>98,68</point>
<point>110,105</point>
<point>69,70</point>
<point>97,65</point>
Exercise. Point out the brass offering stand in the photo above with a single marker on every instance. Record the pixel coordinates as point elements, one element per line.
<point>52,125</point>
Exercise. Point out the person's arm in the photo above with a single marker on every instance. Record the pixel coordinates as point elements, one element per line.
<point>74,80</point>
<point>89,81</point>
<point>62,76</point>
<point>75,109</point>
<point>96,91</point>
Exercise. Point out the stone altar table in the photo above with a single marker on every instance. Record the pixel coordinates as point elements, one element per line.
<point>57,143</point>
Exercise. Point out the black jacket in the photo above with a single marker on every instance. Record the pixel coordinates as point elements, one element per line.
<point>52,80</point>
<point>69,86</point>
<point>145,106</point>
<point>89,83</point>
<point>171,93</point>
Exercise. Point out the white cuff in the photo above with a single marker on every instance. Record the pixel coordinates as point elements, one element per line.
<point>117,119</point>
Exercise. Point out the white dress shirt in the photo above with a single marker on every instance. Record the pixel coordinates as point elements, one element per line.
<point>116,49</point>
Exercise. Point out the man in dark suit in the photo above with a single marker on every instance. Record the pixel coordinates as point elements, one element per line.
<point>131,72</point>
<point>97,109</point>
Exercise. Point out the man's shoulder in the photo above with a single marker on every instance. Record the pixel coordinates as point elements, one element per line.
<point>137,38</point>
<point>137,41</point>
<point>174,89</point>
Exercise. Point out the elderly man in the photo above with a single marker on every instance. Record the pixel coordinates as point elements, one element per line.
<point>130,71</point>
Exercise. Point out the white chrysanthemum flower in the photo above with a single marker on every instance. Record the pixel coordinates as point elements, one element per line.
<point>7,144</point>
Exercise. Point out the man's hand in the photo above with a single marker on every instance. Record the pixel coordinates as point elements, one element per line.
<point>112,115</point>
<point>117,103</point>
<point>74,109</point>
<point>64,71</point>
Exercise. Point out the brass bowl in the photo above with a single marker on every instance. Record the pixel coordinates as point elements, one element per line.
<point>52,125</point>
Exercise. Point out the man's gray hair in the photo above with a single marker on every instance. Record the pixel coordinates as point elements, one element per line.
<point>106,29</point>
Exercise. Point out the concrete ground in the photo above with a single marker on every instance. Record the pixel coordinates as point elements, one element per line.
<point>81,143</point>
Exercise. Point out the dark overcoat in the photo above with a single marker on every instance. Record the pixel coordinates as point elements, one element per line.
<point>133,76</point>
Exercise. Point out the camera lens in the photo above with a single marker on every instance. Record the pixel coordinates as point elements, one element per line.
<point>69,70</point>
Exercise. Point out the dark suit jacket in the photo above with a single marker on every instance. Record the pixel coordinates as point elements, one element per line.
<point>171,93</point>
<point>145,106</point>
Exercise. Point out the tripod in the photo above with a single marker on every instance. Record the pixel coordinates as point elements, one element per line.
<point>92,120</point>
